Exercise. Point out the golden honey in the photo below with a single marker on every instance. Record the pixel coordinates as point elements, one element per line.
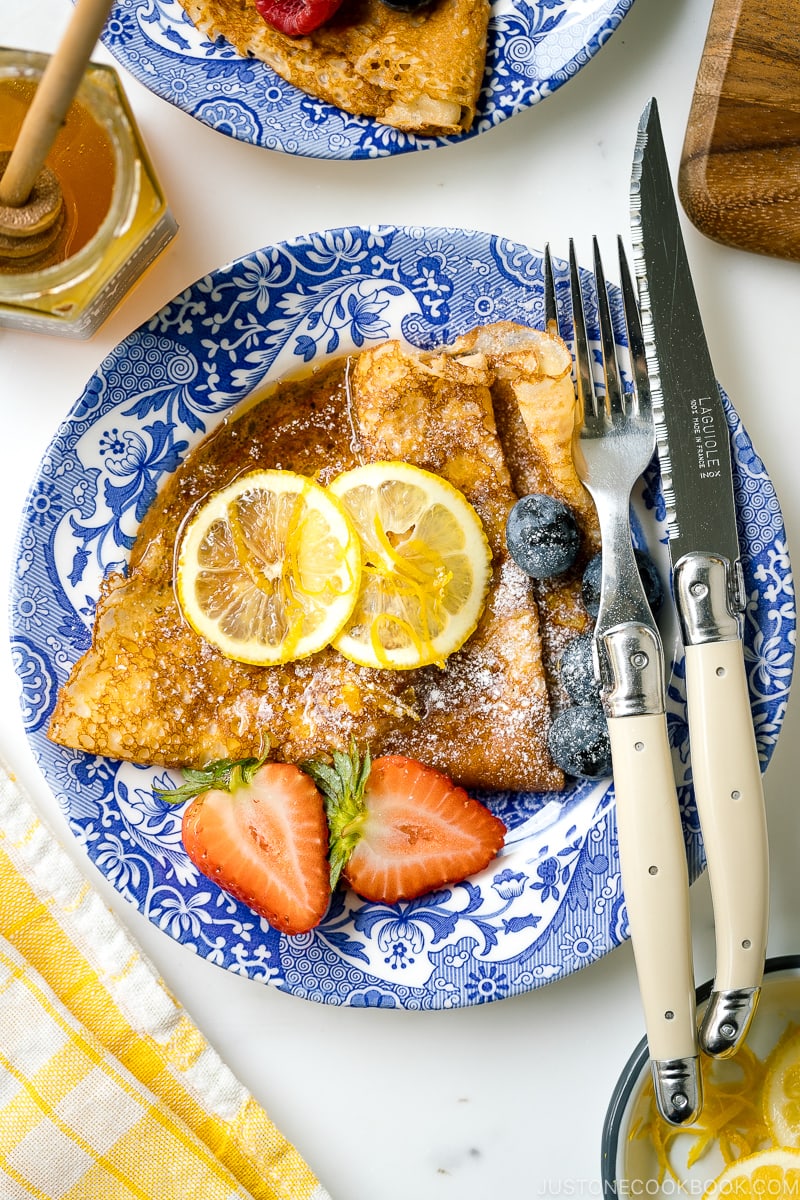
<point>117,219</point>
<point>82,158</point>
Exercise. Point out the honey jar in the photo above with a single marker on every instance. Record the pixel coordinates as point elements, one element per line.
<point>116,218</point>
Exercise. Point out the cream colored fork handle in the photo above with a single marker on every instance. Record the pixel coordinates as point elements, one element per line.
<point>730,804</point>
<point>655,881</point>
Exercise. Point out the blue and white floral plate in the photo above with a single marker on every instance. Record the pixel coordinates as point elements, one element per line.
<point>552,901</point>
<point>533,47</point>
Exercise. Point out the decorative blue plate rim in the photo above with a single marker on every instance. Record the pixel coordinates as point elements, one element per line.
<point>534,46</point>
<point>552,902</point>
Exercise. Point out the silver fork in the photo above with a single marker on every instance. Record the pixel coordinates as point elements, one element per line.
<point>614,442</point>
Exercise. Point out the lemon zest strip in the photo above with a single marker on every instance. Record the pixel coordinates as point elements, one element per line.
<point>401,624</point>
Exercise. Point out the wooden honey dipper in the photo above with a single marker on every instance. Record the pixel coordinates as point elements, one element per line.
<point>31,203</point>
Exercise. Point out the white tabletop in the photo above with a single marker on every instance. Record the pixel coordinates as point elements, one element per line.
<point>502,1099</point>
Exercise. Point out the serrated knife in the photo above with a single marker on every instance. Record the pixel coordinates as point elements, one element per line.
<point>694,453</point>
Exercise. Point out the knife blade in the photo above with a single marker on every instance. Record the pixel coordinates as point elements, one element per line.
<point>694,453</point>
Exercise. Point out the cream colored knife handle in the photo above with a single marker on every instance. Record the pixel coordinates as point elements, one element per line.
<point>656,884</point>
<point>729,794</point>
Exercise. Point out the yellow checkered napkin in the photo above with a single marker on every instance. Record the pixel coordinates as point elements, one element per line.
<point>107,1089</point>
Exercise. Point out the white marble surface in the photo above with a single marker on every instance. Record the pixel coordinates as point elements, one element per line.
<point>505,1099</point>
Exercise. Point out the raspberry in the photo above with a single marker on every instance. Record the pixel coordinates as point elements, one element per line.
<point>296,17</point>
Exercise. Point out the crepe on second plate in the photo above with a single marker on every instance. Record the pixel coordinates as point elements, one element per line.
<point>152,691</point>
<point>420,72</point>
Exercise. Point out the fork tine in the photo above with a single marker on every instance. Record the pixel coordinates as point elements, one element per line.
<point>550,306</point>
<point>633,324</point>
<point>608,344</point>
<point>584,382</point>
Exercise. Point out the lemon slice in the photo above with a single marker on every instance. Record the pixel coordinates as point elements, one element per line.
<point>426,566</point>
<point>773,1172</point>
<point>269,568</point>
<point>782,1090</point>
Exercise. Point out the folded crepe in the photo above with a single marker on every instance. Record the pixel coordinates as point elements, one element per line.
<point>534,404</point>
<point>152,691</point>
<point>420,71</point>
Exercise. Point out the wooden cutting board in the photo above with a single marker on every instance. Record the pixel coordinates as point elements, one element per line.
<point>739,178</point>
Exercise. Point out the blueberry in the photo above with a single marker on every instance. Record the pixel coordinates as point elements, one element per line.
<point>590,585</point>
<point>653,588</point>
<point>576,670</point>
<point>579,743</point>
<point>542,536</point>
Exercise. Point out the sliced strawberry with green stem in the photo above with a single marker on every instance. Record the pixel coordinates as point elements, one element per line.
<point>400,829</point>
<point>258,830</point>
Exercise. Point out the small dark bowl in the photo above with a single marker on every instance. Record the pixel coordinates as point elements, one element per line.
<point>629,1165</point>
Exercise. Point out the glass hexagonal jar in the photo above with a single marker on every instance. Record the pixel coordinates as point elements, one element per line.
<point>117,218</point>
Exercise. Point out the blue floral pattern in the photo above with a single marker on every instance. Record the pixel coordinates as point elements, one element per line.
<point>533,48</point>
<point>552,901</point>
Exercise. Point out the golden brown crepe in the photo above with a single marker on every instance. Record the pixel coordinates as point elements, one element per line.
<point>152,691</point>
<point>534,403</point>
<point>420,72</point>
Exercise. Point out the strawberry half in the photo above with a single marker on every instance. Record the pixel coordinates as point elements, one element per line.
<point>297,17</point>
<point>399,828</point>
<point>258,830</point>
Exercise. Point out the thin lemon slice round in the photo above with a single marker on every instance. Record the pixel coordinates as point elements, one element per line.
<point>773,1172</point>
<point>426,566</point>
<point>269,568</point>
<point>782,1090</point>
